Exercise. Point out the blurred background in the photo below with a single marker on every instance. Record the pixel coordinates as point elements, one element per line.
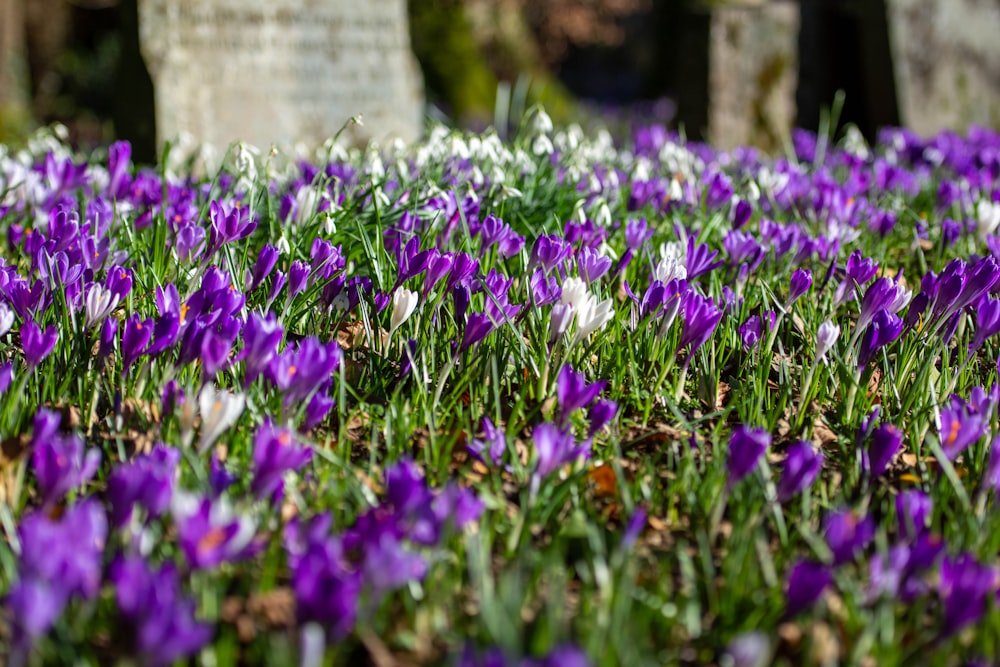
<point>729,72</point>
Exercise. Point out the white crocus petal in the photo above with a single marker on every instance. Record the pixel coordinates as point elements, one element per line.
<point>987,217</point>
<point>404,302</point>
<point>592,317</point>
<point>218,410</point>
<point>574,293</point>
<point>99,304</point>
<point>6,318</point>
<point>670,268</point>
<point>826,336</point>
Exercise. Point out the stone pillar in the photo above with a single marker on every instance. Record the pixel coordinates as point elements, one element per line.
<point>947,59</point>
<point>13,70</point>
<point>281,71</point>
<point>753,63</point>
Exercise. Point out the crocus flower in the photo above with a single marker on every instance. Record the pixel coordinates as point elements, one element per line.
<point>826,337</point>
<point>98,305</point>
<point>884,329</point>
<point>800,283</point>
<point>964,587</point>
<point>37,344</point>
<point>987,322</point>
<point>210,532</point>
<point>134,339</point>
<point>493,444</point>
<point>592,265</point>
<point>885,442</point>
<point>165,628</point>
<point>573,392</point>
<point>149,481</point>
<point>6,376</point>
<point>59,560</point>
<point>750,649</point>
<point>61,463</point>
<point>261,337</point>
<point>275,453</point>
<point>960,427</point>
<point>806,583</point>
<point>6,319</point>
<point>218,410</point>
<point>602,412</point>
<point>404,302</point>
<point>554,447</point>
<point>847,534</point>
<point>746,446</point>
<point>802,465</point>
<point>913,510</point>
<point>700,319</point>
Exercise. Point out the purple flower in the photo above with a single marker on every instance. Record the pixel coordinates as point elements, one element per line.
<point>637,233</point>
<point>987,322</point>
<point>847,535</point>
<point>561,656</point>
<point>806,583</point>
<point>700,319</point>
<point>477,328</point>
<point>592,265</point>
<point>700,259</point>
<point>573,392</point>
<point>883,446</point>
<point>210,533</point>
<point>964,587</point>
<point>275,453</point>
<point>801,282</point>
<point>493,444</point>
<point>549,252</point>
<point>148,480</point>
<point>261,336</point>
<point>327,588</point>
<point>802,465</point>
<point>165,628</point>
<point>59,560</point>
<point>554,447</point>
<point>884,329</point>
<point>301,371</point>
<point>60,463</point>
<point>602,412</point>
<point>6,376</point>
<point>134,339</point>
<point>37,344</point>
<point>913,510</point>
<point>746,446</point>
<point>267,258</point>
<point>960,427</point>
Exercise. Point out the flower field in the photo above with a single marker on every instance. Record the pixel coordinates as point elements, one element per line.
<point>542,401</point>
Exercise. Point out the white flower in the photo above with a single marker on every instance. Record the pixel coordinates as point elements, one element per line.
<point>987,217</point>
<point>592,316</point>
<point>826,336</point>
<point>574,293</point>
<point>218,410</point>
<point>6,318</point>
<point>404,302</point>
<point>670,268</point>
<point>99,304</point>
<point>540,122</point>
<point>542,145</point>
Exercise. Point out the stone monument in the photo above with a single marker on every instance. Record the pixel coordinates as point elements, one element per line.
<point>753,68</point>
<point>281,71</point>
<point>946,55</point>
